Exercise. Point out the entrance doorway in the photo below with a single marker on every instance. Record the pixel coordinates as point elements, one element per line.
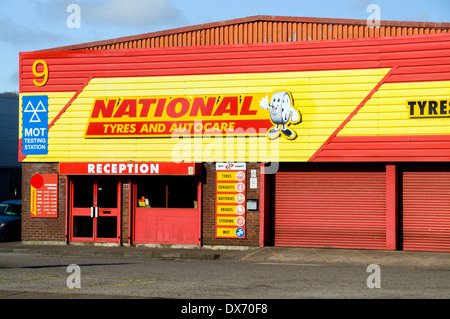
<point>95,209</point>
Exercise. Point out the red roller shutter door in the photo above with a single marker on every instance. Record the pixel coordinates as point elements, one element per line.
<point>426,210</point>
<point>330,208</point>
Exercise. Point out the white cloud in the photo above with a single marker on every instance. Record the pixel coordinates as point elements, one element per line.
<point>19,34</point>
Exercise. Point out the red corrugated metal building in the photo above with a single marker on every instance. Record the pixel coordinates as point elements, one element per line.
<point>264,29</point>
<point>359,161</point>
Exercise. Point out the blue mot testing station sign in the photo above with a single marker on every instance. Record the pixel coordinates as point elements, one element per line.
<point>35,125</point>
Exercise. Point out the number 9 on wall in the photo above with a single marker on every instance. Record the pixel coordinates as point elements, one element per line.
<point>42,73</point>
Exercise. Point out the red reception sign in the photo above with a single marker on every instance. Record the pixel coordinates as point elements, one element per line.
<point>44,195</point>
<point>128,168</point>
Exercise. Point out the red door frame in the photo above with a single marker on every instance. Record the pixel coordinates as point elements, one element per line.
<point>94,212</point>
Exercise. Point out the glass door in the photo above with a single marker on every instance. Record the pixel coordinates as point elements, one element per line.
<point>94,210</point>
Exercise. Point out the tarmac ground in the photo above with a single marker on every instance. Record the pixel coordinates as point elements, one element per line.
<point>263,255</point>
<point>266,254</point>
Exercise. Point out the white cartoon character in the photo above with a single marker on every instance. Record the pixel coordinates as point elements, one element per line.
<point>282,113</point>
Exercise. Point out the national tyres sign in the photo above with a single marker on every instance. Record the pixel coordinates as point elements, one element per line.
<point>35,125</point>
<point>211,115</point>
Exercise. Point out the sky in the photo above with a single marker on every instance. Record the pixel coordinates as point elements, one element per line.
<point>30,25</point>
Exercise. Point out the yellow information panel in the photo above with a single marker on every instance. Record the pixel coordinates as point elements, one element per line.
<point>230,200</point>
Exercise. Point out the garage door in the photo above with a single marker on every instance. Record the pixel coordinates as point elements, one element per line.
<point>336,208</point>
<point>426,210</point>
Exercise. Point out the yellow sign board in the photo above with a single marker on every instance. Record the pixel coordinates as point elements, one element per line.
<point>230,203</point>
<point>225,232</point>
<point>230,176</point>
<point>230,209</point>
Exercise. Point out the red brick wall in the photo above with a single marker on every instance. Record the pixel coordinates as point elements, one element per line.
<point>126,185</point>
<point>209,210</point>
<point>42,229</point>
<point>54,229</point>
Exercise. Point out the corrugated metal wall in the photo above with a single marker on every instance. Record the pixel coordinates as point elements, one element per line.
<point>267,29</point>
<point>426,210</point>
<point>328,80</point>
<point>335,208</point>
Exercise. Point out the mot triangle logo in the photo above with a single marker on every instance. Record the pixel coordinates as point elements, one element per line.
<point>35,110</point>
<point>34,125</point>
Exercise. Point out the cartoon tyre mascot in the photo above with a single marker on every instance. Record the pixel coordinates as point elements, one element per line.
<point>282,113</point>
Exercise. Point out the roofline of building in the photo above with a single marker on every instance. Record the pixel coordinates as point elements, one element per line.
<point>257,18</point>
<point>10,95</point>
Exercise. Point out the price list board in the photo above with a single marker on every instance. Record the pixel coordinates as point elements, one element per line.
<point>44,195</point>
<point>230,200</point>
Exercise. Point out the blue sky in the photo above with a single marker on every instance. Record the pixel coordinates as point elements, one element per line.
<point>29,25</point>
